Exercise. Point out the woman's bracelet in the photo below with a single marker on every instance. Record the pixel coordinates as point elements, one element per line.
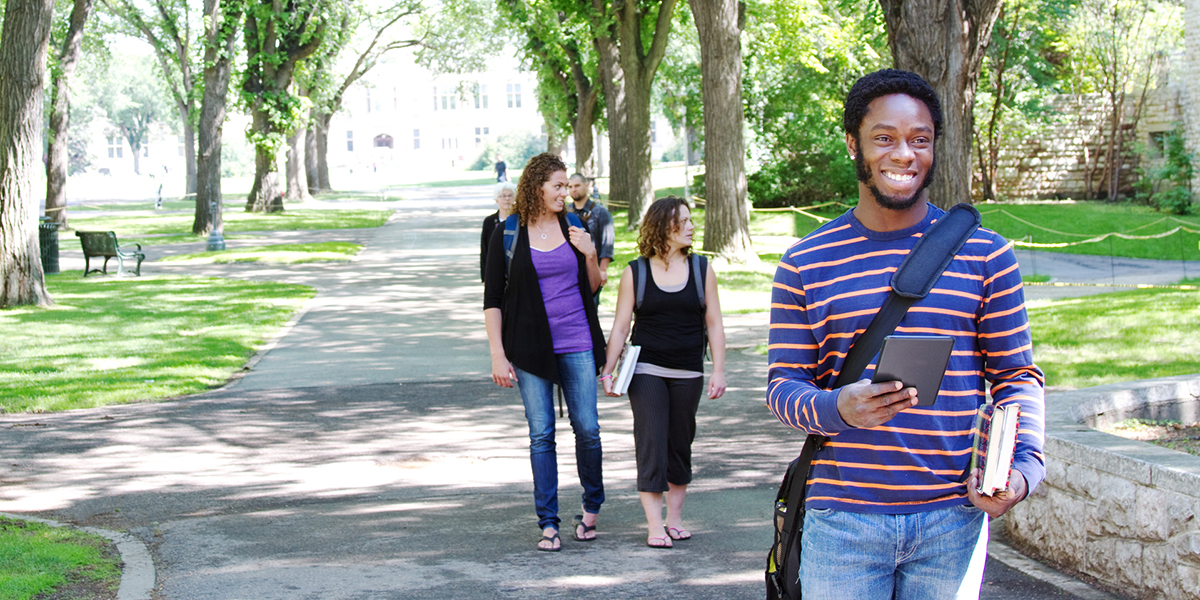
<point>606,376</point>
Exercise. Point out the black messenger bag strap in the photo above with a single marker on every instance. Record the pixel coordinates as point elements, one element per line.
<point>913,280</point>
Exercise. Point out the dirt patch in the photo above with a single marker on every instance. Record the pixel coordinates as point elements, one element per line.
<point>1168,434</point>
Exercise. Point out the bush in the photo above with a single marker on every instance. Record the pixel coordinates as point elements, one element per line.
<point>803,181</point>
<point>1168,186</point>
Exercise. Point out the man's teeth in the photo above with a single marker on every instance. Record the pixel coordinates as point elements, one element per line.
<point>900,176</point>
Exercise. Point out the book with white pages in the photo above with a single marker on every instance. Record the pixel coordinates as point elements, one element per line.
<point>994,445</point>
<point>623,373</point>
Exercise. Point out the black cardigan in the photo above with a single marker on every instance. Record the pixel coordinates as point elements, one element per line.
<point>489,227</point>
<point>525,327</point>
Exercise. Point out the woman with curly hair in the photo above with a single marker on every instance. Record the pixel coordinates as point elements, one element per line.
<point>672,321</point>
<point>542,330</point>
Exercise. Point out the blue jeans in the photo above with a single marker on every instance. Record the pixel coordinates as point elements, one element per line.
<point>578,373</point>
<point>935,555</point>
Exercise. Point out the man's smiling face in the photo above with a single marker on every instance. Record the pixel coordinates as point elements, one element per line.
<point>893,152</point>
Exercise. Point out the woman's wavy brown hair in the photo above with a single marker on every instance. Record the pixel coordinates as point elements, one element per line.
<point>661,220</point>
<point>529,204</point>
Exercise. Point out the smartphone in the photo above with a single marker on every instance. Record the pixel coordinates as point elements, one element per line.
<point>916,361</point>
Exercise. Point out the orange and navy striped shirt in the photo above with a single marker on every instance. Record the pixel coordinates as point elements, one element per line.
<point>828,287</point>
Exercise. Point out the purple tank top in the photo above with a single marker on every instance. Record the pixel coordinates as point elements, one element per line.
<point>558,276</point>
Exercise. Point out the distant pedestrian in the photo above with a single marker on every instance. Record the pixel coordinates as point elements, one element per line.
<point>501,169</point>
<point>599,223</point>
<point>671,325</point>
<point>504,193</point>
<point>543,330</point>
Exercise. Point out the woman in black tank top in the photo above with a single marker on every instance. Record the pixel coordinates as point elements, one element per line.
<point>673,319</point>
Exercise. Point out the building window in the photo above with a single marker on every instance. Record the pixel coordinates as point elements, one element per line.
<point>368,101</point>
<point>416,139</point>
<point>653,132</point>
<point>481,97</point>
<point>514,95</point>
<point>181,148</point>
<point>435,98</point>
<point>115,148</point>
<point>383,140</point>
<point>481,134</point>
<point>349,141</point>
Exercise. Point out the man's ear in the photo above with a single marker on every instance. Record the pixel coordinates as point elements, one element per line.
<point>851,146</point>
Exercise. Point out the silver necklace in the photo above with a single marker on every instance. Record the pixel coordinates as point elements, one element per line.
<point>539,228</point>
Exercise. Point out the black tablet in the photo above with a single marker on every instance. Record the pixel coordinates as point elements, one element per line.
<point>916,361</point>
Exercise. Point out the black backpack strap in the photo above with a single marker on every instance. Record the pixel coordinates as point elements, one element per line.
<point>639,265</point>
<point>917,274</point>
<point>699,271</point>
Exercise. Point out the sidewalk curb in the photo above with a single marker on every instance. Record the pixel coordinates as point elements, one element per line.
<point>1078,589</point>
<point>138,577</point>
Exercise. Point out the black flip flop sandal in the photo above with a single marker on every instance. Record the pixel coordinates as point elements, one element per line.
<point>586,528</point>
<point>550,539</point>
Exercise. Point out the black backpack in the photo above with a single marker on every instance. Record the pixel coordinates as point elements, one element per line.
<point>912,281</point>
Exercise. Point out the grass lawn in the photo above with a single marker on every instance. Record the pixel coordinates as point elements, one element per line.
<point>36,560</point>
<point>291,254</point>
<point>180,224</point>
<point>1123,336</point>
<point>116,340</point>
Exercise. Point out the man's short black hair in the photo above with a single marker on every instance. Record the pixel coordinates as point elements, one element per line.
<point>883,83</point>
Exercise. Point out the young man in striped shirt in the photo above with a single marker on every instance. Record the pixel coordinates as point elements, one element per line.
<point>890,512</point>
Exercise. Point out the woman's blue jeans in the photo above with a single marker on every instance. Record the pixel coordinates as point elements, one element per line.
<point>578,373</point>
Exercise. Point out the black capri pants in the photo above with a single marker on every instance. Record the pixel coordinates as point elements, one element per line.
<point>664,425</point>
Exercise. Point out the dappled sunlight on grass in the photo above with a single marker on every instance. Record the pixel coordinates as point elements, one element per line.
<point>1125,336</point>
<point>181,223</point>
<point>276,254</point>
<point>121,340</point>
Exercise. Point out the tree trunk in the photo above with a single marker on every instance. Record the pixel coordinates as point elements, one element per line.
<point>22,69</point>
<point>266,195</point>
<point>60,107</point>
<point>137,158</point>
<point>312,177</point>
<point>219,37</point>
<point>585,144</point>
<point>297,189</point>
<point>944,42</point>
<point>628,70</point>
<point>322,127</point>
<point>726,211</point>
<point>189,154</point>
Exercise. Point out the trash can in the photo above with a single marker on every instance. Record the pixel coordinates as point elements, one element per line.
<point>48,238</point>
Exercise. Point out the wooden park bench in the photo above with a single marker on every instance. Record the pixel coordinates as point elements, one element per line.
<point>104,243</point>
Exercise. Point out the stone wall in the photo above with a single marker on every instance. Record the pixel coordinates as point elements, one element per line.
<point>1120,511</point>
<point>1056,163</point>
<point>1190,95</point>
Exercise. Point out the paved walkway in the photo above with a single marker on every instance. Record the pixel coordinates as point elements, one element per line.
<point>367,454</point>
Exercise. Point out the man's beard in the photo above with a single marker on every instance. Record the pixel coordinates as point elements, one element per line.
<point>891,202</point>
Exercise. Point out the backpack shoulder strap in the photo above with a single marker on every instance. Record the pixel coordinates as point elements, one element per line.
<point>912,281</point>
<point>639,265</point>
<point>699,273</point>
<point>573,220</point>
<point>511,224</point>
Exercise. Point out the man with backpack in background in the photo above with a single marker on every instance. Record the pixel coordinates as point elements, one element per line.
<point>891,510</point>
<point>597,220</point>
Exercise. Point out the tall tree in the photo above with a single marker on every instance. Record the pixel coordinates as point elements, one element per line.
<point>560,47</point>
<point>133,100</point>
<point>221,21</point>
<point>627,69</point>
<point>167,27</point>
<point>23,43</point>
<point>359,33</point>
<point>60,109</point>
<point>278,35</point>
<point>1115,47</point>
<point>945,42</point>
<point>726,212</point>
<point>1016,77</point>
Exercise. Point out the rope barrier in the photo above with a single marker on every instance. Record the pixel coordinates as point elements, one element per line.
<point>1140,286</point>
